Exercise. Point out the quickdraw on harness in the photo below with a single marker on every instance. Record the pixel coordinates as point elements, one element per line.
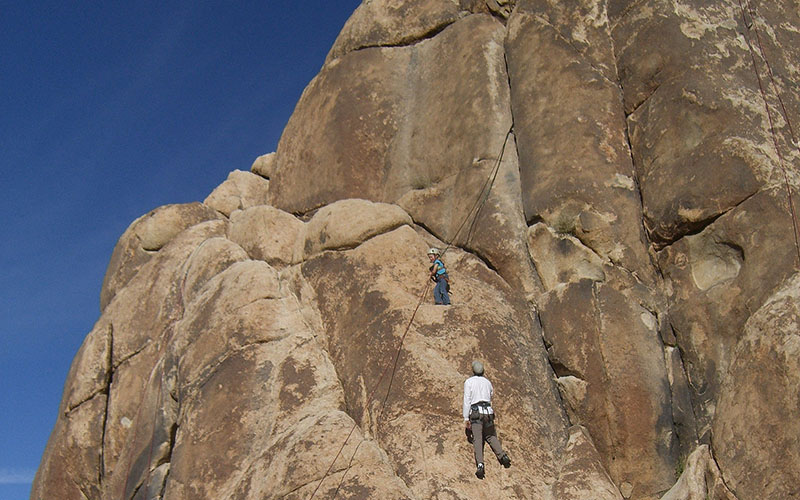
<point>479,410</point>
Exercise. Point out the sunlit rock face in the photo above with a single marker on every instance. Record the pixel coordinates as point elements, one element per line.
<point>611,180</point>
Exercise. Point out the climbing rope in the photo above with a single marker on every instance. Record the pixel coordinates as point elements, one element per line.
<point>751,11</point>
<point>781,162</point>
<point>487,187</point>
<point>370,397</point>
<point>483,196</point>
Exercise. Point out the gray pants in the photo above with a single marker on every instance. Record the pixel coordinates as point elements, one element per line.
<point>483,430</point>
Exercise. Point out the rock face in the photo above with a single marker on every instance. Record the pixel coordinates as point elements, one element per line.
<point>764,374</point>
<point>611,181</point>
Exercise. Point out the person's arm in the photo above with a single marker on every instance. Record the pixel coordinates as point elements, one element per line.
<point>491,392</point>
<point>465,406</point>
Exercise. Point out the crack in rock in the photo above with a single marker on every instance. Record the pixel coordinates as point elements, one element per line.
<point>698,227</point>
<point>99,392</point>
<point>408,41</point>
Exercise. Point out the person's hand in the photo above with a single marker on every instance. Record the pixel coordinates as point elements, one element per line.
<point>467,425</point>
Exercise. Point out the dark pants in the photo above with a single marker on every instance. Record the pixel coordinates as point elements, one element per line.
<point>440,295</point>
<point>483,430</point>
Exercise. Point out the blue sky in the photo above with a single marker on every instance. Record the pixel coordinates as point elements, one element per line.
<point>107,111</point>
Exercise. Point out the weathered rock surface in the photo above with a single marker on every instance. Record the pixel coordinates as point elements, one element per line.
<point>617,388</point>
<point>148,233</point>
<point>240,191</point>
<point>365,297</point>
<point>700,480</point>
<point>387,23</point>
<point>717,279</point>
<point>423,127</point>
<point>611,185</point>
<point>561,258</point>
<point>582,477</point>
<point>577,175</point>
<point>72,459</point>
<point>346,224</point>
<point>756,420</point>
<point>264,165</point>
<point>266,233</point>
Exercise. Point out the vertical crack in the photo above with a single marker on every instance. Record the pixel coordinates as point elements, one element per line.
<point>689,384</point>
<point>721,473</point>
<point>173,433</point>
<point>516,149</point>
<point>627,133</point>
<point>609,408</point>
<point>109,379</point>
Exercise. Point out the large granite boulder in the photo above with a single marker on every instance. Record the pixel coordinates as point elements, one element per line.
<point>609,358</point>
<point>241,190</point>
<point>576,173</point>
<point>700,480</point>
<point>366,306</point>
<point>144,236</point>
<point>424,127</point>
<point>756,429</point>
<point>611,180</point>
<point>717,279</point>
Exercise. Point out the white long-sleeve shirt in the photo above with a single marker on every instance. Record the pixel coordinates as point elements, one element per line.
<point>477,389</point>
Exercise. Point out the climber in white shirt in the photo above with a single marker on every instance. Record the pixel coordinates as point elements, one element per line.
<point>479,418</point>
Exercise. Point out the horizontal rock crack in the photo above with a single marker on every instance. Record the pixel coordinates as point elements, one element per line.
<point>411,40</point>
<point>98,392</point>
<point>700,226</point>
<point>408,41</point>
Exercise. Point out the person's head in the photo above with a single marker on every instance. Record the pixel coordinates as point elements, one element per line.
<point>433,254</point>
<point>477,368</point>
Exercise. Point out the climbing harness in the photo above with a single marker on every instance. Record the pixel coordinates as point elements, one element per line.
<point>480,408</point>
<point>483,196</point>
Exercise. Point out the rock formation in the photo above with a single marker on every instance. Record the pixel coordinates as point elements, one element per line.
<point>612,180</point>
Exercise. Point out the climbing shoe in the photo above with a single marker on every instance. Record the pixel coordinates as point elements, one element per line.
<point>505,461</point>
<point>480,472</point>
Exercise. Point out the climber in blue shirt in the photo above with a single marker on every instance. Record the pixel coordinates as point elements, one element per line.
<point>441,292</point>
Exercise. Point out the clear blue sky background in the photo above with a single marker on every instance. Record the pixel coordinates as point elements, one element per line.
<point>108,110</point>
